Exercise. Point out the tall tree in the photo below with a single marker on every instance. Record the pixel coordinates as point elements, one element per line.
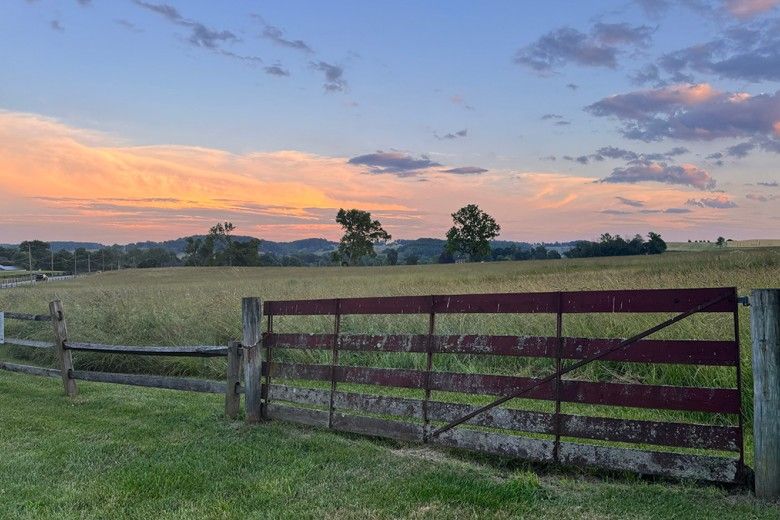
<point>221,235</point>
<point>245,253</point>
<point>655,244</point>
<point>472,232</point>
<point>392,256</point>
<point>34,255</point>
<point>360,235</point>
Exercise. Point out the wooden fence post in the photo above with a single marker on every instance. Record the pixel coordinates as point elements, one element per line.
<point>2,327</point>
<point>765,332</point>
<point>232,396</point>
<point>252,314</point>
<point>64,355</point>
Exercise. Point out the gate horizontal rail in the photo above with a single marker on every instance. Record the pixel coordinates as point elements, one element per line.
<point>661,397</point>
<point>642,301</point>
<point>679,352</point>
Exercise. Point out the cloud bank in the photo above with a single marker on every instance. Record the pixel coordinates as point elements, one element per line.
<point>70,183</point>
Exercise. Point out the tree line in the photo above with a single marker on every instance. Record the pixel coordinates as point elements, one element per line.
<point>37,255</point>
<point>616,245</point>
<point>468,240</point>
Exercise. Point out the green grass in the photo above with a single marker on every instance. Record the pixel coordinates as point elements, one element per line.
<point>202,306</point>
<point>733,244</point>
<point>124,452</point>
<point>25,273</point>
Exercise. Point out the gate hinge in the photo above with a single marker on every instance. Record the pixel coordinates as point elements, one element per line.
<point>744,300</point>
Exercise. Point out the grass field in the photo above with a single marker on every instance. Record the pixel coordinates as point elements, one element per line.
<point>734,244</point>
<point>121,452</point>
<point>202,306</point>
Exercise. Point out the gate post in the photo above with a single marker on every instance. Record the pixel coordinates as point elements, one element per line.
<point>232,397</point>
<point>765,333</point>
<point>63,354</point>
<point>252,314</point>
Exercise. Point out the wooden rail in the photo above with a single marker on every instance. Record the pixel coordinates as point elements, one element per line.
<point>677,465</point>
<point>29,343</point>
<point>679,352</point>
<point>27,317</point>
<point>29,369</point>
<point>190,351</point>
<point>692,399</point>
<point>725,438</point>
<point>171,383</point>
<point>647,300</point>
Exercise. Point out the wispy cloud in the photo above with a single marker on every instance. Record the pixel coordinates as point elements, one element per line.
<point>759,197</point>
<point>397,163</point>
<point>457,99</point>
<point>276,35</point>
<point>717,202</point>
<point>334,76</point>
<point>599,48</point>
<point>277,70</point>
<point>614,152</point>
<point>199,34</point>
<point>466,170</point>
<point>452,135</point>
<point>651,171</point>
<point>130,26</point>
<point>750,8</point>
<point>631,202</point>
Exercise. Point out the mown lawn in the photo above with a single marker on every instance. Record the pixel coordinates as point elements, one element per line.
<point>124,452</point>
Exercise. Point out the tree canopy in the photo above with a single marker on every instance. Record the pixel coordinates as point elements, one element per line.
<point>609,245</point>
<point>219,248</point>
<point>472,232</point>
<point>360,235</point>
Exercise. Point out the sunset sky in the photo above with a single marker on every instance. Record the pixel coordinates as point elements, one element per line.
<point>129,120</point>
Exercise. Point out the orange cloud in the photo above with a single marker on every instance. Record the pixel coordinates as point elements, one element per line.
<point>60,182</point>
<point>748,8</point>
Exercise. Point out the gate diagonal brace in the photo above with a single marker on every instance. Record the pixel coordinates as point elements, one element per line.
<point>623,344</point>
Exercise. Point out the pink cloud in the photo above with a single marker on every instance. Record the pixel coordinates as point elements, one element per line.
<point>750,8</point>
<point>61,182</point>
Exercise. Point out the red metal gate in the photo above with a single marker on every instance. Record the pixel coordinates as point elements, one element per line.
<point>704,439</point>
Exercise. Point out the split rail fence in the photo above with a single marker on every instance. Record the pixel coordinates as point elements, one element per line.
<point>64,347</point>
<point>523,416</point>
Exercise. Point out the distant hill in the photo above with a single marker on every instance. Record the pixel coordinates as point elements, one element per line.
<point>67,245</point>
<point>422,247</point>
<point>432,247</point>
<point>306,245</point>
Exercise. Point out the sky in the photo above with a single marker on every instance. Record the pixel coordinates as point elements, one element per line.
<point>130,120</point>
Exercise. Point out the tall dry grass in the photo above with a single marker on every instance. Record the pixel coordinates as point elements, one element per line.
<point>188,306</point>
